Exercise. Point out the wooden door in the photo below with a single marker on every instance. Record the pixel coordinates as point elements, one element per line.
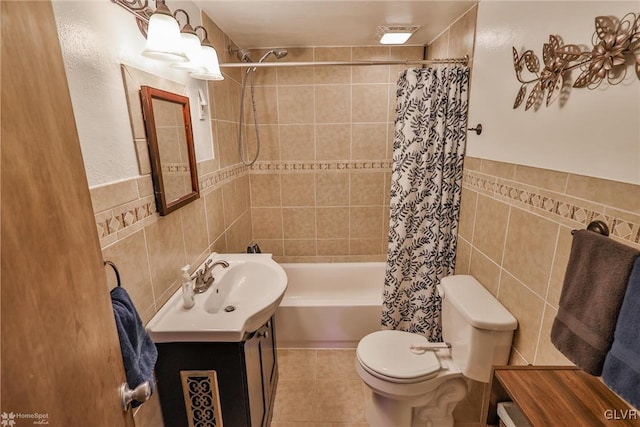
<point>60,352</point>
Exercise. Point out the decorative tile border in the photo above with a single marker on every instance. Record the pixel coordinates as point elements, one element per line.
<point>531,197</point>
<point>116,220</point>
<point>126,217</point>
<point>312,166</point>
<point>113,221</point>
<point>175,168</point>
<point>217,178</point>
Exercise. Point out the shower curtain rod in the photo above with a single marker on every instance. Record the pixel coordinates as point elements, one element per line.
<point>464,61</point>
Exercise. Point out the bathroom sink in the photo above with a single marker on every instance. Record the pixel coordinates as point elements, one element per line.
<point>242,298</point>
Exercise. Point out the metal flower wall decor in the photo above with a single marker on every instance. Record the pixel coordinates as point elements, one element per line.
<point>616,42</point>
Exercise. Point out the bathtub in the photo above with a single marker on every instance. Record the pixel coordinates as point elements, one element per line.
<point>329,305</point>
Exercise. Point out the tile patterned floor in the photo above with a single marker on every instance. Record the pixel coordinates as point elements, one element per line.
<point>320,388</point>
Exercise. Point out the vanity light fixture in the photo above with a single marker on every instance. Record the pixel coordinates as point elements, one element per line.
<point>396,34</point>
<point>191,43</point>
<point>210,65</point>
<point>163,36</point>
<point>165,40</point>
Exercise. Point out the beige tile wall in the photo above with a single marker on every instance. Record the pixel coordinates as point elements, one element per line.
<point>515,231</point>
<point>320,190</point>
<point>515,237</point>
<point>148,249</point>
<point>456,42</point>
<point>318,193</point>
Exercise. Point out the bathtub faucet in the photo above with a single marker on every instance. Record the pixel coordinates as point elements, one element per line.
<point>204,278</point>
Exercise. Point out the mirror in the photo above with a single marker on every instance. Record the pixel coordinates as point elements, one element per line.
<point>167,121</point>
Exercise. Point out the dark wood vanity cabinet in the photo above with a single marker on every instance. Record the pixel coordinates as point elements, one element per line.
<point>246,374</point>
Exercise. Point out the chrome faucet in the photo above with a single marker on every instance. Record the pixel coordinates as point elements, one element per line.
<point>204,278</point>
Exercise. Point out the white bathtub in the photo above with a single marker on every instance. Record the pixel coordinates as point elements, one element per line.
<point>330,305</point>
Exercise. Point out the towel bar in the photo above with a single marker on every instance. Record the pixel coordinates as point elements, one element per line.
<point>597,226</point>
<point>115,270</point>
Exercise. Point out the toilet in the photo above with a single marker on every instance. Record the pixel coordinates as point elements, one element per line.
<point>418,383</point>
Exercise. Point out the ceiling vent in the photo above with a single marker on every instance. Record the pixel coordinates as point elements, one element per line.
<point>396,34</point>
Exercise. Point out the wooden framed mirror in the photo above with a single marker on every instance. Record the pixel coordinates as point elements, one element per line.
<point>167,121</point>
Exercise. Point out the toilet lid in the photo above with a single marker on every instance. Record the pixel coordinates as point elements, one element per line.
<point>388,353</point>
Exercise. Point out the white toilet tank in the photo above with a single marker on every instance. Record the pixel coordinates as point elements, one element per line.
<point>477,326</point>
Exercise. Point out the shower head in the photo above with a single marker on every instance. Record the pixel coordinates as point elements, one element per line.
<point>278,53</point>
<point>244,55</point>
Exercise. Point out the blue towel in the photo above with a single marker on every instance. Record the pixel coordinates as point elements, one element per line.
<point>621,370</point>
<point>139,353</point>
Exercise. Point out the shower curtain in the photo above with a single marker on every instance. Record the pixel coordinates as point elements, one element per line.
<point>428,150</point>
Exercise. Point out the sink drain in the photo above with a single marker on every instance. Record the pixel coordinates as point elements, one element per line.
<point>229,308</point>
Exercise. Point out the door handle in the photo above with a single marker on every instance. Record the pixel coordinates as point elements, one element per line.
<point>140,393</point>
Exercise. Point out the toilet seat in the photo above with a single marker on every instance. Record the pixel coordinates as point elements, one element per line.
<point>387,355</point>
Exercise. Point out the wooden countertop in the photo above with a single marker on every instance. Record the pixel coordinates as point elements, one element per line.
<point>557,396</point>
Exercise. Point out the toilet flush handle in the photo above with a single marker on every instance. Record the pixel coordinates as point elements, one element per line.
<point>432,346</point>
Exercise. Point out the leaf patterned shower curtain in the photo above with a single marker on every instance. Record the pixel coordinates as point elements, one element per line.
<point>428,150</point>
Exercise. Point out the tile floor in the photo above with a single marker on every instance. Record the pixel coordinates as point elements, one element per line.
<point>320,388</point>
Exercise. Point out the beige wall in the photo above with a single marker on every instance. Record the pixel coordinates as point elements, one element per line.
<point>515,237</point>
<point>92,66</point>
<point>319,191</point>
<point>585,132</point>
<point>515,225</point>
<point>515,231</point>
<point>456,42</point>
<point>149,250</point>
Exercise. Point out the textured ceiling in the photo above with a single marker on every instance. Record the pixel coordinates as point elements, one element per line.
<point>305,23</point>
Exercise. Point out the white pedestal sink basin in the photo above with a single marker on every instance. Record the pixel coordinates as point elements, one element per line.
<point>250,290</point>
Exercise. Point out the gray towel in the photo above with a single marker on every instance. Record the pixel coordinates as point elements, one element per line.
<point>622,365</point>
<point>592,293</point>
<point>139,353</point>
